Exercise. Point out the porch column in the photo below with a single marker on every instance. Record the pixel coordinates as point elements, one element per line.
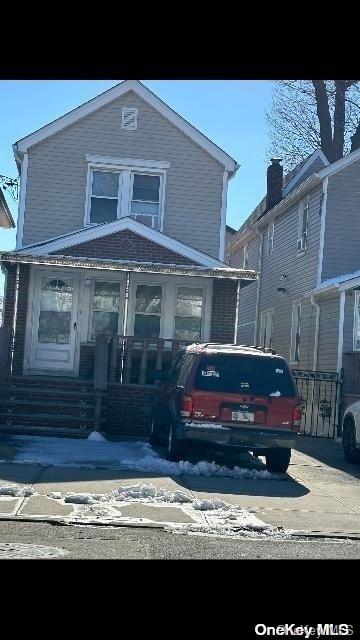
<point>223,311</point>
<point>21,311</point>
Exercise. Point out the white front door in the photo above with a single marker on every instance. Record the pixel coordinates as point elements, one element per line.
<point>54,323</point>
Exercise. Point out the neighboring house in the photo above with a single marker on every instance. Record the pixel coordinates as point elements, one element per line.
<point>6,219</point>
<point>121,232</point>
<point>303,238</point>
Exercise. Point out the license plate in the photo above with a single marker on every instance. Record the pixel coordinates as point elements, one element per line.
<point>243,416</point>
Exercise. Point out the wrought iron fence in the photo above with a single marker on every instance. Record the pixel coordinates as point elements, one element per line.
<point>321,395</point>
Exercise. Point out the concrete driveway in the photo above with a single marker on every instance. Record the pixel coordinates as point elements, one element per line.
<point>319,495</point>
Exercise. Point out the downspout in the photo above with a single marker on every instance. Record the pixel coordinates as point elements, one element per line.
<point>316,339</point>
<point>13,329</point>
<point>237,311</point>
<point>258,286</point>
<point>125,324</point>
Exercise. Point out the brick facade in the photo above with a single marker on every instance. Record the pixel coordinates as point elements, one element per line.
<point>223,312</point>
<point>125,245</point>
<point>128,410</point>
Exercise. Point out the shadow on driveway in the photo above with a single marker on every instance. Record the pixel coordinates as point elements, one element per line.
<point>327,452</point>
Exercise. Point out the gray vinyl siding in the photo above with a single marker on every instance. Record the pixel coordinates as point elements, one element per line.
<point>328,333</point>
<point>342,229</point>
<point>348,321</point>
<point>301,274</point>
<point>57,171</point>
<point>247,297</point>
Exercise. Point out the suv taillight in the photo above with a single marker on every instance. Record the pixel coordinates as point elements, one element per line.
<point>186,407</point>
<point>296,417</point>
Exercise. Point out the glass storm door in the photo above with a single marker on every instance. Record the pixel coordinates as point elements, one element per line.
<point>54,326</point>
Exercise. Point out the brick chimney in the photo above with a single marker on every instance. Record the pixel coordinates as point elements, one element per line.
<point>274,183</point>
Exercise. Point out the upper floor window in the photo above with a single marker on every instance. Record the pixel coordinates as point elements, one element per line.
<point>145,200</point>
<point>303,225</point>
<point>105,196</point>
<point>270,239</point>
<point>266,329</point>
<point>295,333</point>
<point>246,257</point>
<point>115,192</point>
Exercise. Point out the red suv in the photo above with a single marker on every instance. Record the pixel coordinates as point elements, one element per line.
<point>228,395</point>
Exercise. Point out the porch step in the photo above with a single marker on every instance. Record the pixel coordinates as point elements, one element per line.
<point>36,407</point>
<point>44,431</point>
<point>46,420</point>
<point>62,393</point>
<point>60,384</point>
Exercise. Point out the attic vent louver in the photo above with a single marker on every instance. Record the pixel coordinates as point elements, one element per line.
<point>129,119</point>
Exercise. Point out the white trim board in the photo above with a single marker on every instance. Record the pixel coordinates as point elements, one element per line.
<point>21,146</point>
<point>317,155</point>
<point>128,163</point>
<point>102,230</point>
<point>22,198</point>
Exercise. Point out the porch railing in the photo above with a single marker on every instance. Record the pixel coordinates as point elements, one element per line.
<point>134,360</point>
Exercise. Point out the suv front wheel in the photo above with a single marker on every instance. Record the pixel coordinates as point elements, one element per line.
<point>278,460</point>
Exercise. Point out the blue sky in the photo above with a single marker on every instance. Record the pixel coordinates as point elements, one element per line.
<point>231,113</point>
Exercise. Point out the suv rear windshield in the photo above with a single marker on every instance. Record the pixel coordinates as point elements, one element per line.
<point>230,373</point>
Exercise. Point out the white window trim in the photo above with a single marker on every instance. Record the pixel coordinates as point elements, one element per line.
<point>356,320</point>
<point>295,304</point>
<point>125,184</point>
<point>262,325</point>
<point>305,203</point>
<point>270,238</point>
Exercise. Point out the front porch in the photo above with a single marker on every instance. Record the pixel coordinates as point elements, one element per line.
<point>86,338</point>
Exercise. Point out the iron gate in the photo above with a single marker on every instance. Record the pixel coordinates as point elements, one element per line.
<point>321,400</point>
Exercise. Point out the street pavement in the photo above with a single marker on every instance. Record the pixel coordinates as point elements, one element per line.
<point>319,497</point>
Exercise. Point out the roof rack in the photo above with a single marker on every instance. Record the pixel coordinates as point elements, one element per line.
<point>238,346</point>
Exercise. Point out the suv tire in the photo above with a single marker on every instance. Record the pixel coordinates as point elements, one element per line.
<point>351,453</point>
<point>278,460</point>
<point>154,438</point>
<point>175,447</point>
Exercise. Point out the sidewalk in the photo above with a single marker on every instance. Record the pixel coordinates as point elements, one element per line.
<point>320,495</point>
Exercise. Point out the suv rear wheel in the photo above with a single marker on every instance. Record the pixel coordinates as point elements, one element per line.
<point>278,460</point>
<point>175,447</point>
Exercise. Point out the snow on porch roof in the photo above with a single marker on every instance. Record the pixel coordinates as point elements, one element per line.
<point>123,265</point>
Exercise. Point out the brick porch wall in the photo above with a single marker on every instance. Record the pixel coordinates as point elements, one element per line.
<point>128,409</point>
<point>223,312</point>
<point>22,306</point>
<point>125,245</point>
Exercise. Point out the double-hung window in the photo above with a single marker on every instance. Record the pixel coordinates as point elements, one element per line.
<point>116,192</point>
<point>148,304</point>
<point>145,202</point>
<point>105,309</point>
<point>295,333</point>
<point>105,196</point>
<point>303,225</point>
<point>188,313</point>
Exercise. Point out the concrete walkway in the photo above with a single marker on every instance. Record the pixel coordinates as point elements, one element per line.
<point>320,494</point>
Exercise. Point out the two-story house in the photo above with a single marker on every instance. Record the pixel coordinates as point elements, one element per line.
<point>303,239</point>
<point>121,233</point>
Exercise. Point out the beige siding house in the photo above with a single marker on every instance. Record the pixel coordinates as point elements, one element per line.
<point>120,257</point>
<point>305,246</point>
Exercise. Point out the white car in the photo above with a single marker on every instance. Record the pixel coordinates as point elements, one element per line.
<point>351,432</point>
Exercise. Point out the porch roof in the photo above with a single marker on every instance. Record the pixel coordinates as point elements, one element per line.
<point>123,265</point>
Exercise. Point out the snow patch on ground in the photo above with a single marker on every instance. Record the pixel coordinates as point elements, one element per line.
<point>15,490</point>
<point>130,455</point>
<point>95,436</point>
